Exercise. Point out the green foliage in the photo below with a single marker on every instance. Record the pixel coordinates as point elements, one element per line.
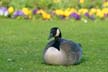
<point>92,3</point>
<point>49,4</point>
<point>4,2</point>
<point>18,4</point>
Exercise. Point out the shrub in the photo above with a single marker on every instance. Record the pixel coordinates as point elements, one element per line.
<point>50,4</point>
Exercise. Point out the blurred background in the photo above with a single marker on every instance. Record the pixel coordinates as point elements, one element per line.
<point>51,4</point>
<point>48,9</point>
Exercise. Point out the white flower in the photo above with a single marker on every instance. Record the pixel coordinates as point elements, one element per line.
<point>85,21</point>
<point>6,13</point>
<point>1,13</point>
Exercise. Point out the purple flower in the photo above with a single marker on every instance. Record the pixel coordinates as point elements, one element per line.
<point>75,15</point>
<point>86,14</point>
<point>92,17</point>
<point>18,13</point>
<point>106,15</point>
<point>3,11</point>
<point>35,11</point>
<point>3,8</point>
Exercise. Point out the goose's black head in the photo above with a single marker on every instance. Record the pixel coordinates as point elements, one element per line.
<point>55,32</point>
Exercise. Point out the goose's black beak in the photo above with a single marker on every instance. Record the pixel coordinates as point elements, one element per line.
<point>50,36</point>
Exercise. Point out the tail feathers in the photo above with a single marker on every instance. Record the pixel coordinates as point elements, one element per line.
<point>79,44</point>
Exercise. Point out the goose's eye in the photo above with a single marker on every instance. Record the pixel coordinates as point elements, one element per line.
<point>53,32</point>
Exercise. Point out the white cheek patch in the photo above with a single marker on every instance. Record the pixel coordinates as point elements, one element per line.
<point>57,32</point>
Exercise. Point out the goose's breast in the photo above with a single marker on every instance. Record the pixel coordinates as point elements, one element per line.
<point>54,56</point>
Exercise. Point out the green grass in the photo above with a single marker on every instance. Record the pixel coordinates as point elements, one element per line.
<point>22,43</point>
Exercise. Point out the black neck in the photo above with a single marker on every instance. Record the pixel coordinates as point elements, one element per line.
<point>57,43</point>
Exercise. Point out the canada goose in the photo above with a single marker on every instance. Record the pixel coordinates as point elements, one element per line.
<point>60,51</point>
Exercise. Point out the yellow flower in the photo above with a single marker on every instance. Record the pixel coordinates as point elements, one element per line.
<point>105,10</point>
<point>56,1</point>
<point>40,11</point>
<point>105,4</point>
<point>73,10</point>
<point>46,16</point>
<point>81,1</point>
<point>93,10</point>
<point>100,14</point>
<point>59,12</point>
<point>10,10</point>
<point>66,13</point>
<point>83,11</point>
<point>26,11</point>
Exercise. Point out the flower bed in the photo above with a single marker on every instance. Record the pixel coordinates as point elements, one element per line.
<point>67,13</point>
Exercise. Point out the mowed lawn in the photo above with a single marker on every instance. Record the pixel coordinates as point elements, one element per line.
<point>22,43</point>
